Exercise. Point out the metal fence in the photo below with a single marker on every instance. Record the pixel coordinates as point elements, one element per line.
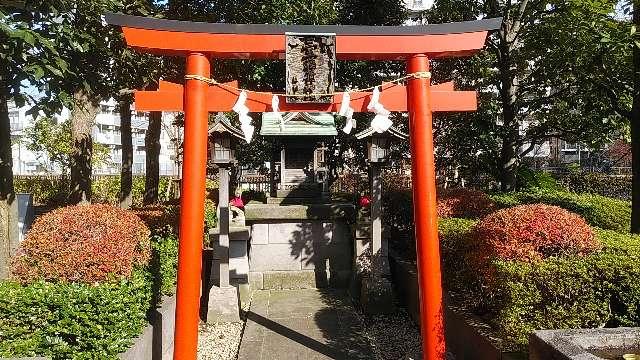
<point>260,183</point>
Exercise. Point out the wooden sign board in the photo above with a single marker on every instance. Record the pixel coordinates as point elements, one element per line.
<point>311,67</point>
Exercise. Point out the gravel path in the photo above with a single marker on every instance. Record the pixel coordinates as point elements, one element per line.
<point>393,336</point>
<point>219,341</point>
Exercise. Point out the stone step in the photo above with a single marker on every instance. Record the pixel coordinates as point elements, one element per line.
<point>298,193</point>
<point>321,199</point>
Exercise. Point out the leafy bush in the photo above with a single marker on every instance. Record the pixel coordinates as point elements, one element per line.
<point>568,292</point>
<point>397,218</point>
<point>156,217</point>
<point>455,243</point>
<point>106,189</point>
<point>164,261</point>
<point>46,190</point>
<point>528,179</point>
<point>54,190</point>
<point>618,187</point>
<point>463,203</point>
<point>530,233</point>
<point>86,243</point>
<point>351,183</point>
<point>210,215</point>
<point>73,320</point>
<point>599,211</point>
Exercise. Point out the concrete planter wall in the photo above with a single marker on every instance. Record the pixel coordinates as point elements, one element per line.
<point>156,341</point>
<point>467,336</point>
<point>583,344</point>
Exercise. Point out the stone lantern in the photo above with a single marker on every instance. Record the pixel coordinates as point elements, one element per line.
<point>377,292</point>
<point>379,145</point>
<point>223,138</point>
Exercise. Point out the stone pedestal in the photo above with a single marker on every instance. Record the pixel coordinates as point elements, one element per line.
<point>300,246</point>
<point>376,296</point>
<point>223,305</point>
<point>238,260</point>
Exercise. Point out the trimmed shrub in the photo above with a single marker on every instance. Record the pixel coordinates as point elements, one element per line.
<point>86,243</point>
<point>464,203</point>
<point>528,179</point>
<point>397,217</point>
<point>597,290</point>
<point>156,217</point>
<point>599,211</point>
<point>164,262</point>
<point>530,233</point>
<point>46,190</point>
<point>618,187</point>
<point>73,320</point>
<point>455,244</point>
<point>54,190</point>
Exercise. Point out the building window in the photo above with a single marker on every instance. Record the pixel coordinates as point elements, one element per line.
<point>566,146</point>
<point>14,121</point>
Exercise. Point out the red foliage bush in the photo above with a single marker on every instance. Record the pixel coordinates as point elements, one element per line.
<point>464,203</point>
<point>85,243</point>
<point>530,233</point>
<point>157,216</point>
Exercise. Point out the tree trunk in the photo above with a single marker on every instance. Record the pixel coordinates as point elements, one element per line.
<point>126,178</point>
<point>82,119</point>
<point>508,161</point>
<point>635,131</point>
<point>152,149</point>
<point>8,204</point>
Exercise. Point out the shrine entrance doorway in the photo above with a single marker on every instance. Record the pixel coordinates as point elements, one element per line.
<point>201,42</point>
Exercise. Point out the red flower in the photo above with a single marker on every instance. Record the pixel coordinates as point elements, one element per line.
<point>365,201</point>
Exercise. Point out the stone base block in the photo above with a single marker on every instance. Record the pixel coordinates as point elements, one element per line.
<point>275,280</point>
<point>223,305</point>
<point>583,344</point>
<point>376,296</point>
<point>300,279</point>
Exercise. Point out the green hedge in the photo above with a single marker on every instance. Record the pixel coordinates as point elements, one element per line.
<point>53,190</point>
<point>72,321</point>
<point>599,211</point>
<point>601,289</point>
<point>79,321</point>
<point>597,290</point>
<point>618,187</point>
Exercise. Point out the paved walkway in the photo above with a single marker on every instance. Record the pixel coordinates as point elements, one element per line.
<point>303,324</point>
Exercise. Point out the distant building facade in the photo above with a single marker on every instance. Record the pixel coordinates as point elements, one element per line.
<point>106,131</point>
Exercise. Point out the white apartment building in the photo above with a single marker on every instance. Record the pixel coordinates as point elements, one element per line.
<point>415,8</point>
<point>106,131</point>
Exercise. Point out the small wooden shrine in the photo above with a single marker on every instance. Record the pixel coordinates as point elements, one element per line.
<point>299,168</point>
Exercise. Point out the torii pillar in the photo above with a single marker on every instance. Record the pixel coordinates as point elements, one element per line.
<point>199,42</point>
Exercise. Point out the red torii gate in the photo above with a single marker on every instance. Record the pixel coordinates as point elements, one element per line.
<point>200,42</point>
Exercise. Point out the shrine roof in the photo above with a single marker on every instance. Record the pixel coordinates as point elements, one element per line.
<point>299,124</point>
<point>393,131</point>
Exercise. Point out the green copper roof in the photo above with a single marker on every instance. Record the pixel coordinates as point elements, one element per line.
<point>299,124</point>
